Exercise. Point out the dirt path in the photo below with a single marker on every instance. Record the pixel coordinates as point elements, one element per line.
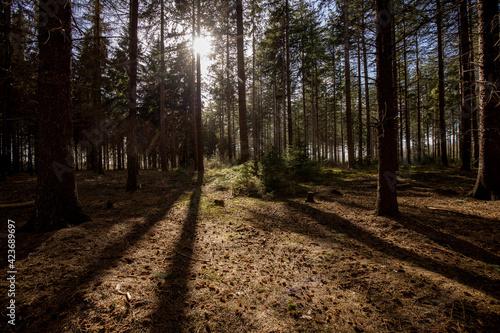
<point>169,258</point>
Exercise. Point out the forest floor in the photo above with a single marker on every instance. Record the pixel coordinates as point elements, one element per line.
<point>170,258</point>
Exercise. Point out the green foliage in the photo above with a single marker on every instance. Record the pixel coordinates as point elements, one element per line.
<point>274,170</point>
<point>241,180</point>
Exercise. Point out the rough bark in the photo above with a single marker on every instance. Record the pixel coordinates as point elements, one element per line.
<point>467,90</point>
<point>387,204</point>
<point>442,122</point>
<point>348,111</point>
<point>163,141</point>
<point>132,162</point>
<point>488,178</point>
<point>199,145</point>
<point>242,101</point>
<point>56,204</point>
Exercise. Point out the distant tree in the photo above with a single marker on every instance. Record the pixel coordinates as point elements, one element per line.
<point>387,204</point>
<point>56,204</point>
<point>488,178</point>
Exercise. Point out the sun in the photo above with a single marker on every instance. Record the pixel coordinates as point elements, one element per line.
<point>202,46</point>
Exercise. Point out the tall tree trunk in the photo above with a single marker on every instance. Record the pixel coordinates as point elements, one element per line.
<point>96,90</point>
<point>419,117</point>
<point>467,90</point>
<point>288,79</point>
<point>228,95</point>
<point>367,94</point>
<point>132,161</point>
<point>56,204</point>
<point>387,204</point>
<point>242,100</point>
<point>193,87</point>
<point>442,122</point>
<point>348,112</point>
<point>488,178</point>
<point>163,140</point>
<point>407,110</point>
<point>5,89</point>
<point>360,107</point>
<point>254,97</point>
<point>199,145</point>
<point>473,105</point>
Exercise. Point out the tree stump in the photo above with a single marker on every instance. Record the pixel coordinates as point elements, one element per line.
<point>310,197</point>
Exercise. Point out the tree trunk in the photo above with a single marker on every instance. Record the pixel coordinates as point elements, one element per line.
<point>419,118</point>
<point>56,204</point>
<point>474,110</point>
<point>442,122</point>
<point>488,178</point>
<point>360,108</point>
<point>228,96</point>
<point>288,79</point>
<point>348,112</point>
<point>132,162</point>
<point>387,204</point>
<point>96,91</point>
<point>467,90</point>
<point>163,140</point>
<point>242,102</point>
<point>407,110</point>
<point>5,89</point>
<point>367,95</point>
<point>199,145</point>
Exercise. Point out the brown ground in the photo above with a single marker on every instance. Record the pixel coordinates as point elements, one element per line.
<point>168,259</point>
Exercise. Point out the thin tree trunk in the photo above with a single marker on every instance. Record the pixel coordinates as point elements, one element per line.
<point>347,65</point>
<point>132,161</point>
<point>228,95</point>
<point>419,117</point>
<point>360,108</point>
<point>367,95</point>
<point>288,79</point>
<point>163,140</point>
<point>442,121</point>
<point>242,102</point>
<point>199,145</point>
<point>387,204</point>
<point>473,104</point>
<point>467,90</point>
<point>407,110</point>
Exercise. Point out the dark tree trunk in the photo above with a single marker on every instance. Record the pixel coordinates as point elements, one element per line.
<point>5,89</point>
<point>419,118</point>
<point>387,204</point>
<point>488,178</point>
<point>442,122</point>
<point>163,140</point>
<point>96,91</point>
<point>56,204</point>
<point>360,107</point>
<point>242,100</point>
<point>407,110</point>
<point>348,112</point>
<point>367,96</point>
<point>228,97</point>
<point>132,162</point>
<point>288,79</point>
<point>467,90</point>
<point>199,145</point>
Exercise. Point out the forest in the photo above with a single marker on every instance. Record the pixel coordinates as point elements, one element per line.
<point>250,165</point>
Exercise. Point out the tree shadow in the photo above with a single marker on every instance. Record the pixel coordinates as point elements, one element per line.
<point>170,314</point>
<point>65,301</point>
<point>411,222</point>
<point>340,225</point>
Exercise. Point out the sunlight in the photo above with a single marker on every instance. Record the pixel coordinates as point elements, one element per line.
<point>202,46</point>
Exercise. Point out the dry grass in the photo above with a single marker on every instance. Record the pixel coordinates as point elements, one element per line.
<point>168,259</point>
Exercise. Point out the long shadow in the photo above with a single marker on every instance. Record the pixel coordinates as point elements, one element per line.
<point>411,222</point>
<point>66,299</point>
<point>335,222</point>
<point>170,314</point>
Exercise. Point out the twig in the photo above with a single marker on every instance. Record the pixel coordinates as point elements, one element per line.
<point>184,255</point>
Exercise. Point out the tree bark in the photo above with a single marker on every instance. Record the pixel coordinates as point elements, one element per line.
<point>242,102</point>
<point>163,140</point>
<point>367,95</point>
<point>288,79</point>
<point>488,178</point>
<point>132,162</point>
<point>348,111</point>
<point>56,204</point>
<point>442,122</point>
<point>467,90</point>
<point>419,117</point>
<point>199,145</point>
<point>387,204</point>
